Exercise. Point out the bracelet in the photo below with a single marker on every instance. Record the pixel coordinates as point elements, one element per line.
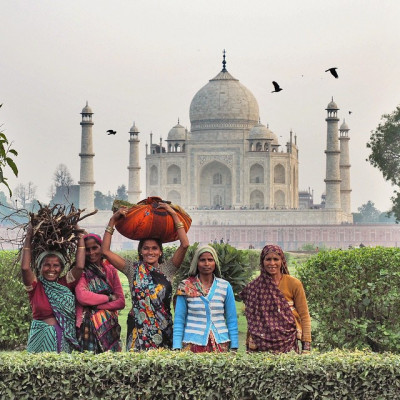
<point>27,248</point>
<point>110,229</point>
<point>179,225</point>
<point>81,247</point>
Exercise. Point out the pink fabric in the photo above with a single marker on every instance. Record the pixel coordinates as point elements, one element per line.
<point>86,298</point>
<point>40,305</point>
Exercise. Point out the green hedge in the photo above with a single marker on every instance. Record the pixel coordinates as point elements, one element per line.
<point>183,375</point>
<point>354,295</point>
<point>15,311</point>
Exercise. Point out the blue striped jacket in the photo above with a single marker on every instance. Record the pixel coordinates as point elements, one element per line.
<point>195,317</point>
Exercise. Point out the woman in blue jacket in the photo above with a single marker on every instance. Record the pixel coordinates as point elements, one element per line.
<point>205,313</point>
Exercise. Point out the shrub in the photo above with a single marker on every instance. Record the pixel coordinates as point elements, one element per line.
<point>184,375</point>
<point>234,266</point>
<point>355,297</point>
<point>15,311</point>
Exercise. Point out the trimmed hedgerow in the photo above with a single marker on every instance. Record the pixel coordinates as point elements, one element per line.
<point>184,375</point>
<point>354,295</point>
<point>15,311</point>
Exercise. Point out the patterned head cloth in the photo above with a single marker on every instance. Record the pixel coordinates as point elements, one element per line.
<point>94,236</point>
<point>272,248</point>
<point>45,254</point>
<point>198,253</point>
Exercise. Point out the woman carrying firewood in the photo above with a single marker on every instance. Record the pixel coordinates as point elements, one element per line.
<point>100,296</point>
<point>50,296</point>
<point>150,320</point>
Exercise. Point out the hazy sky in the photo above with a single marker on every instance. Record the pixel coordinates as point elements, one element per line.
<point>144,61</point>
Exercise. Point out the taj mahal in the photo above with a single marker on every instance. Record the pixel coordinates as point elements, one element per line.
<point>230,172</point>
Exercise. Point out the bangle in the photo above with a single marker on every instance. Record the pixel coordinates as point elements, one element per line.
<point>109,229</point>
<point>81,247</point>
<point>27,248</point>
<point>179,225</point>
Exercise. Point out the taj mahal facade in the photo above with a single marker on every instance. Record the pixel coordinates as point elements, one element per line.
<point>233,177</point>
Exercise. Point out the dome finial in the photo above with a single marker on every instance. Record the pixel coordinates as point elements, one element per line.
<point>224,62</point>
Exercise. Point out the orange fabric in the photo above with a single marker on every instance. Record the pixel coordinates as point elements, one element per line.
<point>294,293</point>
<point>144,220</point>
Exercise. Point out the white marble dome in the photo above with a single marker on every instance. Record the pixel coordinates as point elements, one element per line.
<point>332,106</point>
<point>87,109</point>
<point>344,126</point>
<point>260,131</point>
<point>178,132</point>
<point>223,103</point>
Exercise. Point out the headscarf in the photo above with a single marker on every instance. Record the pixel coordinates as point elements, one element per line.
<point>273,248</point>
<point>198,253</point>
<point>94,236</point>
<point>270,320</point>
<point>45,254</point>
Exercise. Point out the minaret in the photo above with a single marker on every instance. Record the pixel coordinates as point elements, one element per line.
<point>332,158</point>
<point>86,182</point>
<point>134,166</point>
<point>345,190</point>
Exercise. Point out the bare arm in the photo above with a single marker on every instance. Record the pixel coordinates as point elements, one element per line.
<point>79,258</point>
<point>180,252</point>
<point>117,261</point>
<point>27,274</point>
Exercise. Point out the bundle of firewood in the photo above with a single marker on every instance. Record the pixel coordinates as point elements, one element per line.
<point>55,228</point>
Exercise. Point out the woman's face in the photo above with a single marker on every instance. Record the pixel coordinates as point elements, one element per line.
<point>206,264</point>
<point>151,252</point>
<point>51,268</point>
<point>93,251</point>
<point>273,263</point>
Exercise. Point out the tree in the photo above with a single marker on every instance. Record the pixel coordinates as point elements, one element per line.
<point>102,201</point>
<point>385,153</point>
<point>25,193</point>
<point>121,193</point>
<point>5,160</point>
<point>62,176</point>
<point>368,212</point>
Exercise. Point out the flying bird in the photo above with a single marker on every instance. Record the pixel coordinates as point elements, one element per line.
<point>111,132</point>
<point>333,72</point>
<point>350,112</point>
<point>276,86</point>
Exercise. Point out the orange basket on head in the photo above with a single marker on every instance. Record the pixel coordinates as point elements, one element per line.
<point>145,220</point>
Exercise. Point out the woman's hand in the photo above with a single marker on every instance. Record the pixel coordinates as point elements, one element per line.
<point>120,213</point>
<point>167,208</point>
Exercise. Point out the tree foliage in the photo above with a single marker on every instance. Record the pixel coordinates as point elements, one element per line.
<point>15,311</point>
<point>354,295</point>
<point>385,152</point>
<point>25,194</point>
<point>62,176</point>
<point>122,193</point>
<point>368,212</point>
<point>6,151</point>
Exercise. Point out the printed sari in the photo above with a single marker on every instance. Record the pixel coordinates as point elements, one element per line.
<point>271,324</point>
<point>62,337</point>
<point>100,330</point>
<point>150,320</point>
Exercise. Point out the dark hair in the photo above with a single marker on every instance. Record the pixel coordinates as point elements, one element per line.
<point>98,242</point>
<point>92,236</point>
<point>159,243</point>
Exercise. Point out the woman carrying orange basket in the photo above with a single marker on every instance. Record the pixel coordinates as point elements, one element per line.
<point>150,320</point>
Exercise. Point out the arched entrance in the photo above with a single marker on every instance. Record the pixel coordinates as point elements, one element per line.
<point>215,186</point>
